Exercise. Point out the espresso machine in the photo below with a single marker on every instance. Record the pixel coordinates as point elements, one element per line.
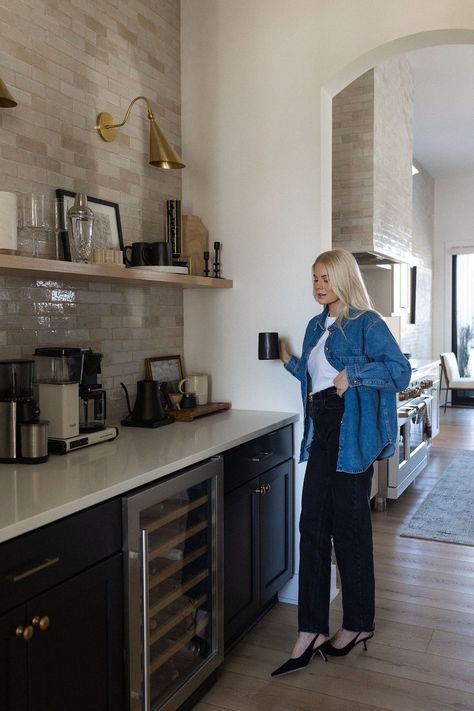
<point>23,436</point>
<point>70,396</point>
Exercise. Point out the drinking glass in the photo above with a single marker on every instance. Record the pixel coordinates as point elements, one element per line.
<point>58,218</point>
<point>33,224</point>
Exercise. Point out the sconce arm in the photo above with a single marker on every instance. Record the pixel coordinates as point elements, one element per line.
<point>107,129</point>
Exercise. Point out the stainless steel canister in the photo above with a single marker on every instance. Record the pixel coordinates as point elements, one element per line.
<point>34,441</point>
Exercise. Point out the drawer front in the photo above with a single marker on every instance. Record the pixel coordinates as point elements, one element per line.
<point>36,561</point>
<point>248,460</point>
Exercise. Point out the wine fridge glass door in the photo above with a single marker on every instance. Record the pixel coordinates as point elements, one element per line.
<point>177,638</point>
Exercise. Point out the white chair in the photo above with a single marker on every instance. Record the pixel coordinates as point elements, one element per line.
<point>450,371</point>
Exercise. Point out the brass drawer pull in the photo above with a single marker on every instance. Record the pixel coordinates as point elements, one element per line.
<point>259,490</point>
<point>25,633</point>
<point>41,622</point>
<point>46,563</point>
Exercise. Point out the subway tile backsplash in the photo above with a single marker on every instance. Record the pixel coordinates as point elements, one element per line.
<point>125,323</point>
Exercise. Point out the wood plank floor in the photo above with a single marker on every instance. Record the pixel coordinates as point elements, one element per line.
<point>422,657</point>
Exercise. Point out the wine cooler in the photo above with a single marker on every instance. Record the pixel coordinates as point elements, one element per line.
<point>173,538</point>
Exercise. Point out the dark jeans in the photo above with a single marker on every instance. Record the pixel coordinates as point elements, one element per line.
<point>334,504</point>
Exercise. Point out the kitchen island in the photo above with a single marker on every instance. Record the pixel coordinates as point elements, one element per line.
<point>34,495</point>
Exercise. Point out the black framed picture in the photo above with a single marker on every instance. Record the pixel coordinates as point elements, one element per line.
<point>107,232</point>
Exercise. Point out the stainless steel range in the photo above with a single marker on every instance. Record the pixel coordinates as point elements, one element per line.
<point>415,421</point>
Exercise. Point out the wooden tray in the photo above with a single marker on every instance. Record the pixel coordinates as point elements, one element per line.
<point>189,414</point>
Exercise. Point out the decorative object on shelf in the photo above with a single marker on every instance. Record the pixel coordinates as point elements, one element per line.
<point>217,263</point>
<point>33,235</point>
<point>6,99</point>
<point>268,346</point>
<point>107,256</point>
<point>173,226</point>
<point>165,369</point>
<point>161,254</point>
<point>60,236</point>
<point>8,222</point>
<point>80,224</point>
<point>107,233</point>
<point>206,263</point>
<point>195,242</point>
<point>162,155</point>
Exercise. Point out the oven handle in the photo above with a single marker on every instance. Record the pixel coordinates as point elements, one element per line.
<point>146,622</point>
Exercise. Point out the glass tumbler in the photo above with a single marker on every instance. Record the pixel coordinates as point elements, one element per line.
<point>33,223</point>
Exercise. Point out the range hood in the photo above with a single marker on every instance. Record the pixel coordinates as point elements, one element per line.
<point>374,259</point>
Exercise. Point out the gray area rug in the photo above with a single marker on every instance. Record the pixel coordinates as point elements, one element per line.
<point>447,513</point>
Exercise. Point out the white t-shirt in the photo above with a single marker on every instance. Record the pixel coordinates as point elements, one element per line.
<point>320,371</point>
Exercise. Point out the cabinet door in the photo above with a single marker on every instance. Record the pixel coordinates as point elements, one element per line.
<point>13,661</point>
<point>76,654</point>
<point>241,558</point>
<point>276,529</point>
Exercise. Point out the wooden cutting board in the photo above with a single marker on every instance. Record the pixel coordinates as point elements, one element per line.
<point>190,414</point>
<point>195,241</point>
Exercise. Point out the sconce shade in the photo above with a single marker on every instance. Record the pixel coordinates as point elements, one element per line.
<point>162,155</point>
<point>6,99</point>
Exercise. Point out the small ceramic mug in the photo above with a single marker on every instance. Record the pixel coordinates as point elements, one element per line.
<point>197,383</point>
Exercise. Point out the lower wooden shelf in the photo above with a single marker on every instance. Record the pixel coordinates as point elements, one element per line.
<point>56,269</point>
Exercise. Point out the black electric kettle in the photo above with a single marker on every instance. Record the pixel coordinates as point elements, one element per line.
<point>148,410</point>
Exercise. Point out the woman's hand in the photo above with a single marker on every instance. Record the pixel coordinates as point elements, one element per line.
<point>285,355</point>
<point>341,382</point>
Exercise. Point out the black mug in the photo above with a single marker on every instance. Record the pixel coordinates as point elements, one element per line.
<point>268,346</point>
<point>140,254</point>
<point>187,401</point>
<point>161,253</point>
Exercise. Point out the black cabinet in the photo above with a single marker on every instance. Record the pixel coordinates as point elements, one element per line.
<point>62,647</point>
<point>258,528</point>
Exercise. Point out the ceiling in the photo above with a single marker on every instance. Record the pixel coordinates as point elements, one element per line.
<point>444,109</point>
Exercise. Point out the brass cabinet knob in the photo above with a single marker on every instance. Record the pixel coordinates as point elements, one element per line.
<point>267,488</point>
<point>25,632</point>
<point>41,622</point>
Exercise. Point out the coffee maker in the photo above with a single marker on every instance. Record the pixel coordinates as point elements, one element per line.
<point>70,396</point>
<point>92,399</point>
<point>23,437</point>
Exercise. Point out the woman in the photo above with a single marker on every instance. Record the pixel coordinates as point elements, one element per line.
<point>350,370</point>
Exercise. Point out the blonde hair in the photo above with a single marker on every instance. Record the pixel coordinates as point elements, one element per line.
<point>347,283</point>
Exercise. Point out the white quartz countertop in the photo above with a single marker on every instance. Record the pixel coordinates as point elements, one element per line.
<point>34,495</point>
<point>420,365</point>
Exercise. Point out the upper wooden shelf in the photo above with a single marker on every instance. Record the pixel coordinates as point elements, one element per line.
<point>55,269</point>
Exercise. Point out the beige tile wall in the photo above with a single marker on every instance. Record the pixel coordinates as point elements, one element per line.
<point>64,61</point>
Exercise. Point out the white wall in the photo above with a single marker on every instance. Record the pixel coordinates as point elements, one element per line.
<point>454,229</point>
<point>257,80</point>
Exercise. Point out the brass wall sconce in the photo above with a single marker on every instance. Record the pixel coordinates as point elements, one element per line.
<point>162,155</point>
<point>6,99</point>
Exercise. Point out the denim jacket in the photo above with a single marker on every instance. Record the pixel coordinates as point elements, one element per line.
<point>376,370</point>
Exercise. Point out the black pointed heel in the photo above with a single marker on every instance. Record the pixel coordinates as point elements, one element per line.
<point>302,661</point>
<point>335,652</point>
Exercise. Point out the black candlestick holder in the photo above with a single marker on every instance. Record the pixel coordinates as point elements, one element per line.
<point>217,264</point>
<point>206,263</point>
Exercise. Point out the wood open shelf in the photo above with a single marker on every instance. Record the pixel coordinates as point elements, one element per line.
<point>55,269</point>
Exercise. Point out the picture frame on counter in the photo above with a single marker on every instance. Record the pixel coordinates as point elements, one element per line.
<point>107,233</point>
<point>165,369</point>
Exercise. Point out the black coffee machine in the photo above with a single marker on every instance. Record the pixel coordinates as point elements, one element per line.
<point>92,399</point>
<point>23,436</point>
